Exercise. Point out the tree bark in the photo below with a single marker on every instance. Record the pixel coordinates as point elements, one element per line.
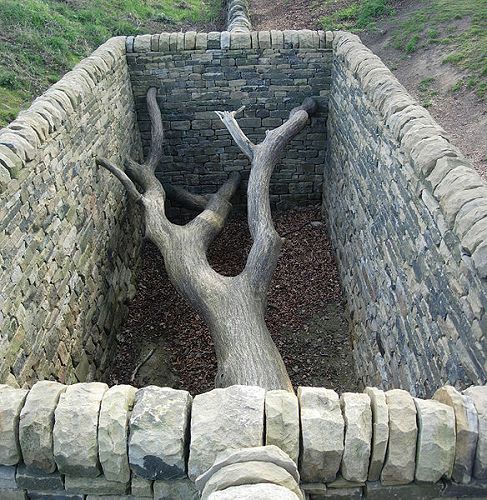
<point>232,307</point>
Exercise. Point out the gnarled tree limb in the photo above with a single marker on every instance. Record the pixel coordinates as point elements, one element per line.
<point>232,307</point>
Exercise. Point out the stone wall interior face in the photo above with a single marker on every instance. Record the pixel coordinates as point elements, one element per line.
<point>268,72</point>
<point>405,212</point>
<point>158,442</point>
<point>68,240</point>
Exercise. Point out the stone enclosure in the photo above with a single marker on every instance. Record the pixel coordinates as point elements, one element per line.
<point>407,216</point>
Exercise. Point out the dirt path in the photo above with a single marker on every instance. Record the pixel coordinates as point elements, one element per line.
<point>462,114</point>
<point>305,314</point>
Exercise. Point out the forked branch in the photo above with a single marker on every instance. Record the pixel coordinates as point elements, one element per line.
<point>243,142</point>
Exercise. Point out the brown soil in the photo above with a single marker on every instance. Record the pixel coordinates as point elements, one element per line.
<point>462,114</point>
<point>305,314</point>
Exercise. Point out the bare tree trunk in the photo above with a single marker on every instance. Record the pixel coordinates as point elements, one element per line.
<point>232,307</point>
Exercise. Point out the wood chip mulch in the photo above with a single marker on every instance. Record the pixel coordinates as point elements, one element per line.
<point>305,312</point>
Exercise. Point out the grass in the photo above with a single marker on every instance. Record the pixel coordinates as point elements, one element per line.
<point>42,39</point>
<point>357,16</point>
<point>459,26</point>
<point>427,93</point>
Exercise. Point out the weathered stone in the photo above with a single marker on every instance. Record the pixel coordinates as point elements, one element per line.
<point>7,477</point>
<point>37,423</point>
<point>55,495</point>
<point>14,495</point>
<point>380,431</point>
<point>94,486</point>
<point>378,491</point>
<point>222,419</point>
<point>358,434</point>
<point>158,433</point>
<point>39,481</point>
<point>270,453</point>
<point>349,493</point>
<point>322,431</point>
<point>399,466</point>
<point>467,431</point>
<point>249,473</point>
<point>263,491</point>
<point>141,487</point>
<point>11,402</point>
<point>435,449</point>
<point>282,422</point>
<point>180,488</point>
<point>115,411</point>
<point>479,398</point>
<point>76,428</point>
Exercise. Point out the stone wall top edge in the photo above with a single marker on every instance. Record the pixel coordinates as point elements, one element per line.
<point>192,40</point>
<point>451,180</point>
<point>20,139</point>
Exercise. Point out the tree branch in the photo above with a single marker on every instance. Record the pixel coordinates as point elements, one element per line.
<point>122,177</point>
<point>212,220</point>
<point>185,198</point>
<point>267,243</point>
<point>242,141</point>
<point>157,132</point>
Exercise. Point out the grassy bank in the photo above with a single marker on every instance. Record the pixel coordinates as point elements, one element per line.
<point>42,39</point>
<point>459,26</point>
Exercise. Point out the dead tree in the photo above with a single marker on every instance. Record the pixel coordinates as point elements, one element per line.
<point>232,307</point>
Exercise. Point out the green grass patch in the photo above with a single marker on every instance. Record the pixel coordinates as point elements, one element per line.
<point>42,39</point>
<point>357,16</point>
<point>460,26</point>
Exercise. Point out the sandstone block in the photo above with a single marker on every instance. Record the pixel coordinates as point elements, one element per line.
<point>14,495</point>
<point>158,433</point>
<point>250,473</point>
<point>358,435</point>
<point>141,487</point>
<point>94,486</point>
<point>37,423</point>
<point>435,450</point>
<point>180,488</point>
<point>263,491</point>
<point>7,477</point>
<point>322,431</point>
<point>467,431</point>
<point>479,398</point>
<point>115,410</point>
<point>271,454</point>
<point>282,422</point>
<point>222,419</point>
<point>400,464</point>
<point>380,431</point>
<point>11,402</point>
<point>75,434</point>
<point>39,481</point>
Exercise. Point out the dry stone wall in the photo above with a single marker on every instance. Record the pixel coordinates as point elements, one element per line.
<point>269,72</point>
<point>68,243</point>
<point>88,440</point>
<point>406,213</point>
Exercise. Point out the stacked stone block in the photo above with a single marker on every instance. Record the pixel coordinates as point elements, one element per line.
<point>160,443</point>
<point>238,18</point>
<point>269,72</point>
<point>406,215</point>
<point>68,243</point>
